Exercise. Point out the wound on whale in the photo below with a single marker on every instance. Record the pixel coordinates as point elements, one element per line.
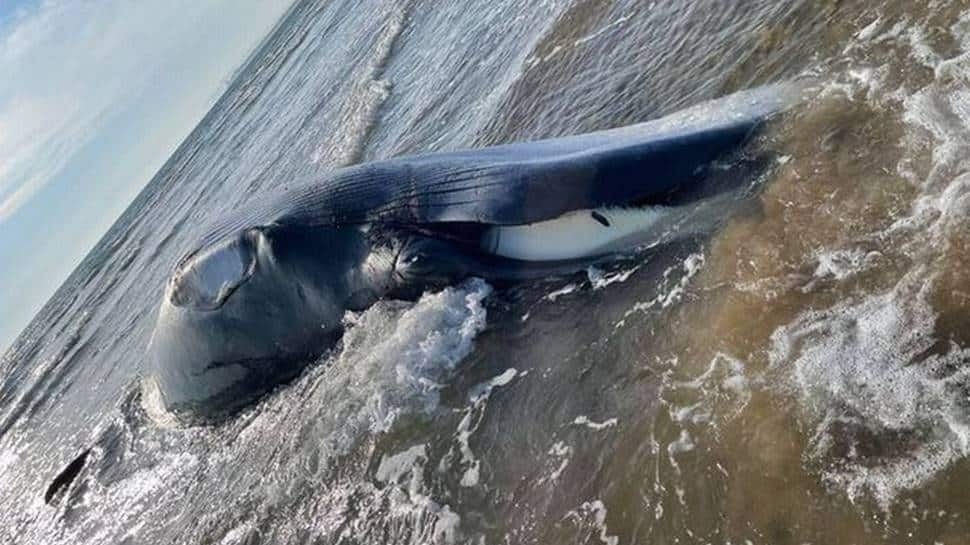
<point>265,291</point>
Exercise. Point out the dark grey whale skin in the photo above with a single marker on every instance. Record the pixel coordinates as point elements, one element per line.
<point>266,289</point>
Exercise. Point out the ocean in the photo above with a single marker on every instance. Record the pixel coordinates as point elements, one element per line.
<point>801,375</point>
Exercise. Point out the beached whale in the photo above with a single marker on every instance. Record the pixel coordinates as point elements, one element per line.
<point>266,290</point>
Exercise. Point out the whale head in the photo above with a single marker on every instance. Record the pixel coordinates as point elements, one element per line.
<point>248,312</point>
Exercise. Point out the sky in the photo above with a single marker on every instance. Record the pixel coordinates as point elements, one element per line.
<point>95,95</point>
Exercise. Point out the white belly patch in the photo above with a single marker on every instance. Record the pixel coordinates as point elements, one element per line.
<point>582,233</point>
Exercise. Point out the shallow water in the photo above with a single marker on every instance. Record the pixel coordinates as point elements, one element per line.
<point>799,376</point>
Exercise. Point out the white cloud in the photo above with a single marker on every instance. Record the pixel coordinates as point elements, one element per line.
<point>67,67</point>
<point>94,97</point>
<point>20,195</point>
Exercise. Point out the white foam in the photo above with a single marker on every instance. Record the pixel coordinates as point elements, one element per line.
<point>597,509</point>
<point>565,290</point>
<point>584,420</point>
<point>668,296</point>
<point>882,394</point>
<point>409,498</point>
<point>860,369</point>
<point>392,468</point>
<point>9,457</point>
<point>599,279</point>
<point>869,31</point>
<point>470,421</point>
<point>154,405</point>
<point>421,347</point>
<point>239,534</point>
<point>842,264</point>
<point>561,453</point>
<point>684,443</point>
<point>394,359</point>
<point>721,392</point>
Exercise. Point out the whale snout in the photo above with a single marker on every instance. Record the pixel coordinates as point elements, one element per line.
<point>237,319</point>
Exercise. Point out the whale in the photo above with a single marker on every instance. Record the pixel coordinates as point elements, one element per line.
<point>264,291</point>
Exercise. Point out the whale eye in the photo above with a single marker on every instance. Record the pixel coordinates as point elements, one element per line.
<point>206,279</point>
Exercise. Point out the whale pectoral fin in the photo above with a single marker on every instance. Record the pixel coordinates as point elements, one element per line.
<point>67,476</point>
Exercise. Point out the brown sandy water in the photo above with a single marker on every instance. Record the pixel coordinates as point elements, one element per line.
<point>816,388</point>
<point>811,375</point>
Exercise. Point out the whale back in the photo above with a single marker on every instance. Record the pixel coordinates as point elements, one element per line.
<point>527,182</point>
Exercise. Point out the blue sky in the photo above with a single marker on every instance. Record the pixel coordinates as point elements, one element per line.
<point>9,7</point>
<point>95,95</point>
